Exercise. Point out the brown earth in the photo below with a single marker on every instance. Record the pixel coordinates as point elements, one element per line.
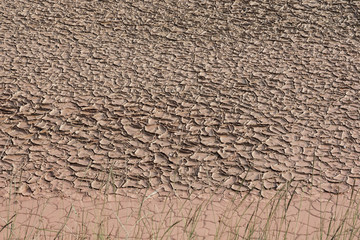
<point>186,97</point>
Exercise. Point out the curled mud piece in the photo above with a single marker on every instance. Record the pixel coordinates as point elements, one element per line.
<point>233,99</point>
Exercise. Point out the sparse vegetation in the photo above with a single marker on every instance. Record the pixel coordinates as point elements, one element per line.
<point>277,218</point>
<point>243,219</point>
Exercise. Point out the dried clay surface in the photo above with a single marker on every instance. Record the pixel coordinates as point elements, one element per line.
<point>184,97</point>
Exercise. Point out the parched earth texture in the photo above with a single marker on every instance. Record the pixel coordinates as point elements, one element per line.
<point>188,98</point>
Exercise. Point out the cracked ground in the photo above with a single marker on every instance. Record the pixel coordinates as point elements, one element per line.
<point>179,96</point>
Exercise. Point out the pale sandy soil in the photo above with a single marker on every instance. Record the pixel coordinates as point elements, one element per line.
<point>186,97</point>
